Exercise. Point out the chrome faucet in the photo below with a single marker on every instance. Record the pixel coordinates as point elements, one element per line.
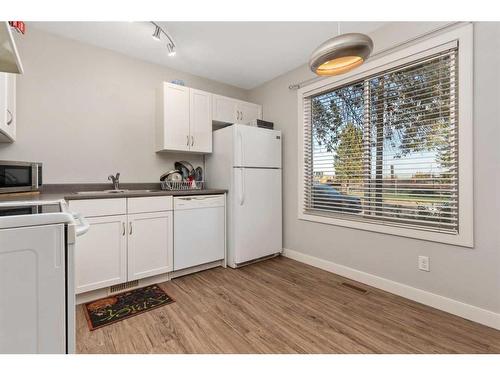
<point>115,180</point>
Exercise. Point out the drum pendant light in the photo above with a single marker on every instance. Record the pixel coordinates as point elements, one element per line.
<point>340,54</point>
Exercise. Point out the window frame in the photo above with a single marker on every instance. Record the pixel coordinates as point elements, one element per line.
<point>461,36</point>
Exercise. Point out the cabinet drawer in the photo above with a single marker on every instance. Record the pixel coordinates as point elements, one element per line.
<point>149,204</point>
<point>99,207</point>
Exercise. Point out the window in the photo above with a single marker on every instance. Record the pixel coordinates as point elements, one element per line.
<point>381,150</point>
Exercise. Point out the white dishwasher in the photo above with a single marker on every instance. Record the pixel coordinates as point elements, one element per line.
<point>199,230</point>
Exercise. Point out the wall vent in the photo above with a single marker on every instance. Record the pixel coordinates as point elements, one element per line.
<point>354,287</point>
<point>122,287</point>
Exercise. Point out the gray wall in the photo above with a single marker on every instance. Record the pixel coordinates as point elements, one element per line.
<point>468,275</point>
<point>86,112</point>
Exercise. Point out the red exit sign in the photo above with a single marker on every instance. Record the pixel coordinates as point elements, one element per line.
<point>20,26</point>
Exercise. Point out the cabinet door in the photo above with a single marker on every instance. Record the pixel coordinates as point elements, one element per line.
<point>150,243</point>
<point>224,109</point>
<point>249,112</point>
<point>176,117</point>
<point>101,255</point>
<point>32,290</point>
<point>7,107</point>
<point>200,124</point>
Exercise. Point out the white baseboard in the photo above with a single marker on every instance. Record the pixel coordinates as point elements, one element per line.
<point>476,314</point>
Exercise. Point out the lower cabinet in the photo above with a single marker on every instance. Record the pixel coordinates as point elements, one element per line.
<point>101,255</point>
<point>133,238</point>
<point>150,244</point>
<point>125,241</point>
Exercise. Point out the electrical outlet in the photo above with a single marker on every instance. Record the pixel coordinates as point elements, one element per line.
<point>423,263</point>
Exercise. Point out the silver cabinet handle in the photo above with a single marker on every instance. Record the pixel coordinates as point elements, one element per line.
<point>187,140</point>
<point>123,226</point>
<point>11,117</point>
<point>130,226</point>
<point>192,140</point>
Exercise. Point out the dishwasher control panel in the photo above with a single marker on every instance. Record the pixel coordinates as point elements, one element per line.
<point>198,201</point>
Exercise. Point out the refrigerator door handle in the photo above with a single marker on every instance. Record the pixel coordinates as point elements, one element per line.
<point>240,138</point>
<point>242,187</point>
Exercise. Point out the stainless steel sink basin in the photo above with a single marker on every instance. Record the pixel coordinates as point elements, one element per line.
<point>143,191</point>
<point>117,191</point>
<point>103,192</point>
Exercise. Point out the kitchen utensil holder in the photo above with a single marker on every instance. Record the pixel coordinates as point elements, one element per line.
<point>182,185</point>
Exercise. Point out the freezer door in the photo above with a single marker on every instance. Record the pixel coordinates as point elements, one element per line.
<point>257,214</point>
<point>256,147</point>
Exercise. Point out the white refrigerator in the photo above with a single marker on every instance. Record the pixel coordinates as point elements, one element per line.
<point>246,160</point>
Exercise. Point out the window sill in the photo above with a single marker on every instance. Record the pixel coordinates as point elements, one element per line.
<point>465,240</point>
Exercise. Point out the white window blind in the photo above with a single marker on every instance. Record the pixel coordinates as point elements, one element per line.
<point>384,149</point>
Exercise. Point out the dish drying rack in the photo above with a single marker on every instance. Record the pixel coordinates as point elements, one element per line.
<point>182,185</point>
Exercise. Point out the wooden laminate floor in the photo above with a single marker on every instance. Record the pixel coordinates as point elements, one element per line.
<point>282,306</point>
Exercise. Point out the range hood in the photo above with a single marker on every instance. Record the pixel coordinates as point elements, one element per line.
<point>9,57</point>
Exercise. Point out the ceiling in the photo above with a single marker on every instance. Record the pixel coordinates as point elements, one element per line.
<point>243,54</point>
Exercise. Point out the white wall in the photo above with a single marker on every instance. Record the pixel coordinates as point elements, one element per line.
<point>468,275</point>
<point>87,112</point>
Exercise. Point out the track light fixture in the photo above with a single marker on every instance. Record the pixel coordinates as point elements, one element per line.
<point>157,36</point>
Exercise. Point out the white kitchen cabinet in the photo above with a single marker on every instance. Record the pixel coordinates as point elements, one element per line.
<point>128,239</point>
<point>249,112</point>
<point>101,255</point>
<point>184,120</point>
<point>173,126</point>
<point>230,110</point>
<point>224,109</point>
<point>7,107</point>
<point>150,244</point>
<point>99,207</point>
<point>200,121</point>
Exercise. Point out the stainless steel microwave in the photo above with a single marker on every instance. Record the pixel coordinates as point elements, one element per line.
<point>19,176</point>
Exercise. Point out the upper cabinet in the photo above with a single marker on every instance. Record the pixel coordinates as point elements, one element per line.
<point>9,57</point>
<point>184,119</point>
<point>185,116</point>
<point>7,107</point>
<point>229,110</point>
<point>249,112</point>
<point>200,120</point>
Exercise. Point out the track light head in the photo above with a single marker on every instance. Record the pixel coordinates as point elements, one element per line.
<point>171,50</point>
<point>157,33</point>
